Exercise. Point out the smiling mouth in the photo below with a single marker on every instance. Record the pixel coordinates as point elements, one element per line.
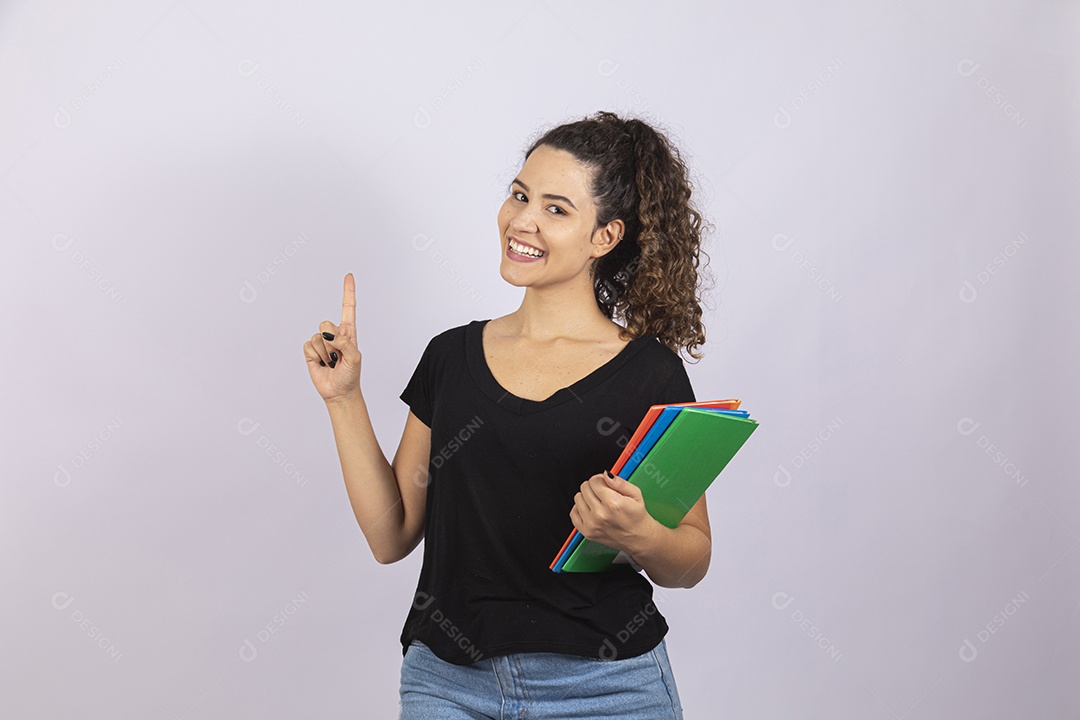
<point>524,250</point>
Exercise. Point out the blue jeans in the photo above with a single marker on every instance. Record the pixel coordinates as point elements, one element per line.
<point>552,686</point>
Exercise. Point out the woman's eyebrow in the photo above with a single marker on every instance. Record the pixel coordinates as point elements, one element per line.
<point>546,196</point>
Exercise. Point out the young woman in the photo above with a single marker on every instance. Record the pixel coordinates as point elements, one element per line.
<point>512,423</point>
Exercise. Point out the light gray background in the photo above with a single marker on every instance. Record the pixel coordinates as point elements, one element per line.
<point>894,187</point>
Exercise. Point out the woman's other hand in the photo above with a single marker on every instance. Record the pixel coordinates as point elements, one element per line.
<point>611,511</point>
<point>333,359</point>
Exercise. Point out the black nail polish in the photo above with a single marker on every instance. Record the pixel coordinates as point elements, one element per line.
<point>322,363</point>
<point>328,336</point>
<point>333,356</point>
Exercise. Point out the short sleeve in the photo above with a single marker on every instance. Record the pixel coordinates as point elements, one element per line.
<point>678,388</point>
<point>418,391</point>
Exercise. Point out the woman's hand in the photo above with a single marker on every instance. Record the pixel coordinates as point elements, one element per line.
<point>333,359</point>
<point>611,511</point>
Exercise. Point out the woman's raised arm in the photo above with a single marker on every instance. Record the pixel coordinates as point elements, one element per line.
<point>387,500</point>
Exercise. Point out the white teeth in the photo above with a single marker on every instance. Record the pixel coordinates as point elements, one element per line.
<point>525,250</point>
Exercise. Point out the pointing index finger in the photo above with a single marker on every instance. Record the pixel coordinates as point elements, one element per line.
<point>348,302</point>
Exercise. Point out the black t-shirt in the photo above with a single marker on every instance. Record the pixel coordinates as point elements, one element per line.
<point>502,477</point>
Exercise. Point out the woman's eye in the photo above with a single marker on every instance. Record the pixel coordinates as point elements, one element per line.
<point>520,197</point>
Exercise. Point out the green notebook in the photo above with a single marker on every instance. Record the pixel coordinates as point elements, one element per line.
<point>674,474</point>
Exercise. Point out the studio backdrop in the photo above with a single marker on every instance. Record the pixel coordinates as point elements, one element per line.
<point>893,190</point>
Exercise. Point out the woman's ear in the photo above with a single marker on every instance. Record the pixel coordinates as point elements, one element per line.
<point>607,237</point>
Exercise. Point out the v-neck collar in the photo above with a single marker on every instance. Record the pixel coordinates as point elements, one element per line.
<point>481,373</point>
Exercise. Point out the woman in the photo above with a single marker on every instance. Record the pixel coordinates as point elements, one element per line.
<point>512,422</point>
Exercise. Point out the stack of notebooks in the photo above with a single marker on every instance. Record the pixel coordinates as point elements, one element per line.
<point>673,456</point>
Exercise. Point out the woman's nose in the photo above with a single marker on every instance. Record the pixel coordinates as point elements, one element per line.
<point>523,220</point>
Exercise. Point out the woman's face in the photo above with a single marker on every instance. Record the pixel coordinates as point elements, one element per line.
<point>549,210</point>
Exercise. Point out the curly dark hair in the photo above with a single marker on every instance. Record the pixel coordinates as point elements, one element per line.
<point>651,278</point>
